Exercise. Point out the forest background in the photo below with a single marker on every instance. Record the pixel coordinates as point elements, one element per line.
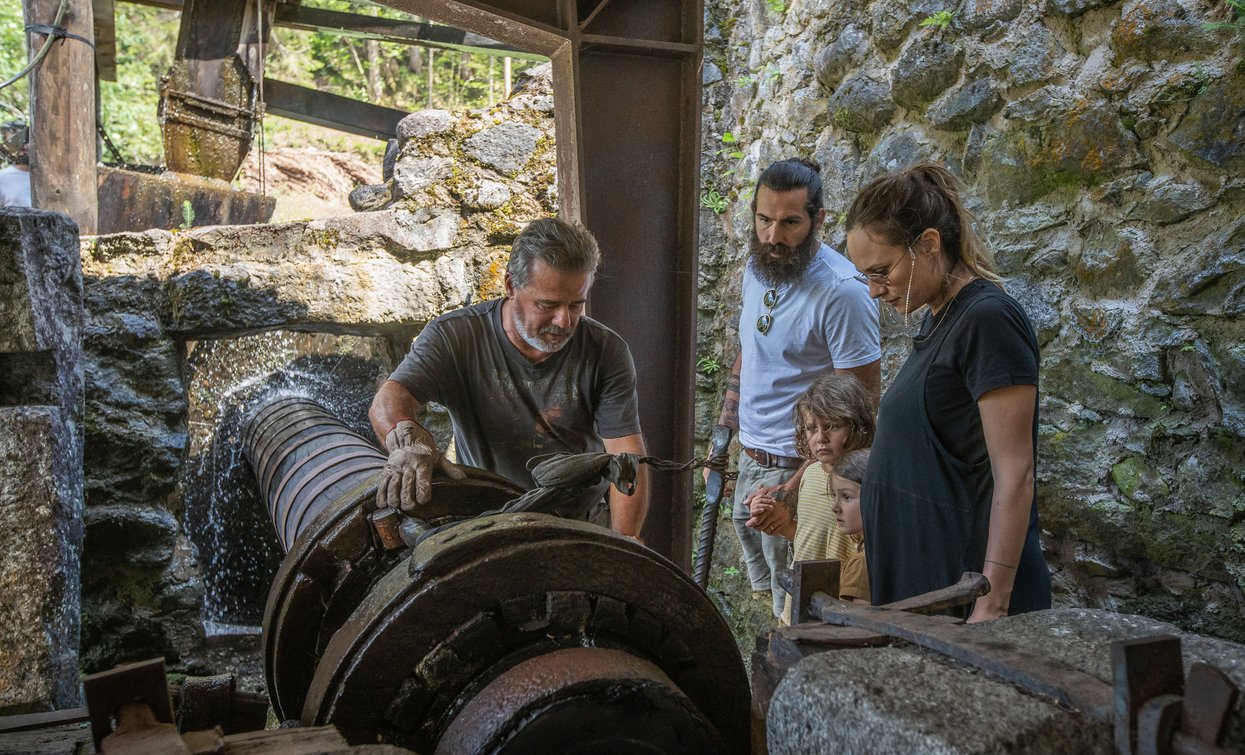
<point>404,77</point>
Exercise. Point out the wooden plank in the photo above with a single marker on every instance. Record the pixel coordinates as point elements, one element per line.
<point>30,721</point>
<point>142,684</point>
<point>105,39</point>
<point>62,109</point>
<point>331,110</point>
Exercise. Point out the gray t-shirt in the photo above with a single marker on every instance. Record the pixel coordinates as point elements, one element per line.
<point>504,408</point>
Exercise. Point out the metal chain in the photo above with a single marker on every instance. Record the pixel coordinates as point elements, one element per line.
<point>718,464</point>
<point>116,153</point>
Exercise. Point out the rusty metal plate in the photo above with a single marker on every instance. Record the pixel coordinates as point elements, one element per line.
<point>1143,669</point>
<point>332,565</point>
<point>479,599</point>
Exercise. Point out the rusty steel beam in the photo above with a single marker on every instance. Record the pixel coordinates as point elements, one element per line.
<point>636,132</point>
<point>418,33</point>
<point>331,110</point>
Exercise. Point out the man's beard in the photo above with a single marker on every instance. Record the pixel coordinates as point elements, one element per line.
<point>788,267</point>
<point>537,340</point>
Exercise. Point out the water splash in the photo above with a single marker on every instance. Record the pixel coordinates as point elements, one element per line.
<point>228,523</point>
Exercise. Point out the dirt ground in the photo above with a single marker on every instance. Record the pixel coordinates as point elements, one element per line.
<point>308,182</point>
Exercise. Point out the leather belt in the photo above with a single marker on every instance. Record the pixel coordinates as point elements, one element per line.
<point>769,460</point>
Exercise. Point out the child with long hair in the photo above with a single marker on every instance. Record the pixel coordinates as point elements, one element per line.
<point>845,480</point>
<point>833,417</point>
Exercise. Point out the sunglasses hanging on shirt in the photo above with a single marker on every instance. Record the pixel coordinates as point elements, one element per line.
<point>766,321</point>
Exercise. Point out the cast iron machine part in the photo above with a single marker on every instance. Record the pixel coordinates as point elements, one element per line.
<point>510,632</point>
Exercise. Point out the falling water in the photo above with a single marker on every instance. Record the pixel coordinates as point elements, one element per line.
<point>228,523</point>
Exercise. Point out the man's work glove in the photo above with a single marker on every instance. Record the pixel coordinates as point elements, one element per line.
<point>406,480</point>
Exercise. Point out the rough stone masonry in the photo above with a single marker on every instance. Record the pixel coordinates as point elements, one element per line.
<point>41,405</point>
<point>1103,146</point>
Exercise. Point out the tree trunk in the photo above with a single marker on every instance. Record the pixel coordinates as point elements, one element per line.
<point>374,87</point>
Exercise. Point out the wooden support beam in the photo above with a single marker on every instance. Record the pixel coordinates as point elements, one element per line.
<point>62,110</point>
<point>105,39</point>
<point>418,33</point>
<point>331,110</point>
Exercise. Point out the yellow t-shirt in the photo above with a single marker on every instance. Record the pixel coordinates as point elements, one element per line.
<point>854,574</point>
<point>817,535</point>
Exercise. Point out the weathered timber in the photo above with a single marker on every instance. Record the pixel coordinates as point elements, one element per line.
<point>62,107</point>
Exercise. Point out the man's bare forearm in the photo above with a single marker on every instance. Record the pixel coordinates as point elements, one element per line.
<point>627,512</point>
<point>393,404</point>
<point>870,375</point>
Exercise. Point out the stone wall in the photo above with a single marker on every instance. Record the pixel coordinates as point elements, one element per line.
<point>1102,145</point>
<point>41,403</point>
<point>182,325</point>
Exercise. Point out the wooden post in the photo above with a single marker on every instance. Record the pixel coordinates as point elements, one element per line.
<point>62,112</point>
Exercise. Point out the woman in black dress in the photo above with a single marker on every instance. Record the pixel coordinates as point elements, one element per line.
<point>950,485</point>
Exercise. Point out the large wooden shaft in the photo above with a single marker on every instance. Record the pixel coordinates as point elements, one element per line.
<point>62,110</point>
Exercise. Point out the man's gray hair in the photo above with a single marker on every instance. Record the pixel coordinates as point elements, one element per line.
<point>565,247</point>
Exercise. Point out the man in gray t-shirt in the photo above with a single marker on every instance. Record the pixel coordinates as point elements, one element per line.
<point>521,376</point>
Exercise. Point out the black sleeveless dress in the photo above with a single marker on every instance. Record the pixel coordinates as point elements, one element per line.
<point>926,496</point>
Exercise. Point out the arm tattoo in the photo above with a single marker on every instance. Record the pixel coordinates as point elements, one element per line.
<point>730,403</point>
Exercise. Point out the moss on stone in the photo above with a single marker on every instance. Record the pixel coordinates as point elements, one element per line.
<point>1072,379</point>
<point>1190,543</point>
<point>1137,481</point>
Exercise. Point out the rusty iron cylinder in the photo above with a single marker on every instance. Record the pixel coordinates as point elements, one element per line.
<point>304,459</point>
<point>508,633</point>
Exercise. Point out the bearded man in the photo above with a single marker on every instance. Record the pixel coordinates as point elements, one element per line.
<point>805,311</point>
<point>522,376</point>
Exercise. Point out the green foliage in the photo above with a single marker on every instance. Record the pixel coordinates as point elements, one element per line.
<point>188,214</point>
<point>708,365</point>
<point>731,150</point>
<point>385,73</point>
<point>711,199</point>
<point>129,105</point>
<point>13,100</point>
<point>940,20</point>
<point>730,571</point>
<point>1237,24</point>
<point>776,6</point>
